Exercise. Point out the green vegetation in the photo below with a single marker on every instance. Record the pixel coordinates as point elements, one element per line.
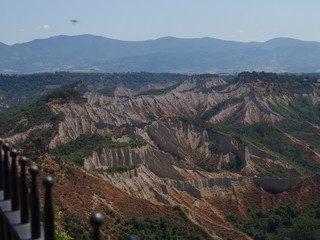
<point>234,119</point>
<point>283,110</point>
<point>17,88</point>
<point>206,163</point>
<point>151,118</point>
<point>297,128</point>
<point>283,79</point>
<point>213,147</point>
<point>160,91</point>
<point>66,92</point>
<point>135,80</point>
<point>60,233</point>
<point>231,218</point>
<point>148,228</point>
<point>304,131</point>
<point>108,91</point>
<point>173,225</point>
<point>233,165</point>
<point>220,106</point>
<point>75,228</point>
<point>269,139</point>
<point>206,75</point>
<point>313,141</point>
<point>301,109</point>
<point>37,112</point>
<point>274,171</point>
<point>22,119</point>
<point>285,222</point>
<point>302,116</point>
<point>75,151</point>
<point>169,227</point>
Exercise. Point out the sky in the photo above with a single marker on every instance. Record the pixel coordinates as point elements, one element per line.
<point>137,20</point>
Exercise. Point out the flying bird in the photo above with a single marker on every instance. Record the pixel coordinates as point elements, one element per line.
<point>74,21</point>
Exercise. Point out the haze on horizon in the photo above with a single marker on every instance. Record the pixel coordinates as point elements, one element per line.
<point>245,20</point>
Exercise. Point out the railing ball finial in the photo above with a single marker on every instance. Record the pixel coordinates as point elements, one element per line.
<point>48,182</point>
<point>6,147</point>
<point>14,153</point>
<point>34,170</point>
<point>96,220</point>
<point>23,161</point>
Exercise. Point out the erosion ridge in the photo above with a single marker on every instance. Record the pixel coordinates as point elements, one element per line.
<point>79,192</point>
<point>197,152</point>
<point>193,97</point>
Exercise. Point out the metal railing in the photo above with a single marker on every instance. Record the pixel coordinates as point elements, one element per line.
<point>20,205</point>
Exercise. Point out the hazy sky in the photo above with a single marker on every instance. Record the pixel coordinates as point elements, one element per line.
<point>239,20</point>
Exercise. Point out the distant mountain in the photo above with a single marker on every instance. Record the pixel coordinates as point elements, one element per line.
<point>168,54</point>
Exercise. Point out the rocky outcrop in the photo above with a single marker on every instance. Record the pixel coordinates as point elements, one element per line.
<point>158,162</point>
<point>176,146</point>
<point>207,200</point>
<point>166,164</point>
<point>20,137</point>
<point>141,193</point>
<point>169,168</point>
<point>191,98</point>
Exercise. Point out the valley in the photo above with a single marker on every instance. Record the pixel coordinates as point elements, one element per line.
<point>196,149</point>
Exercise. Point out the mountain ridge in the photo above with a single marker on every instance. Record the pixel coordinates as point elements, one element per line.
<point>167,54</point>
<point>161,38</point>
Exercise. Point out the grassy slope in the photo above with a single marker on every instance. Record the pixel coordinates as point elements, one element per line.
<point>18,88</point>
<point>271,140</point>
<point>37,112</point>
<point>75,151</point>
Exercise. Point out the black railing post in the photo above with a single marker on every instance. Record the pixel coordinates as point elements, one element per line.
<point>24,196</point>
<point>6,171</point>
<point>1,166</point>
<point>1,188</point>
<point>48,210</point>
<point>9,227</point>
<point>35,204</point>
<point>14,181</point>
<point>96,219</point>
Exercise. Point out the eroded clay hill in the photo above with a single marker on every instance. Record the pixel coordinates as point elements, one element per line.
<point>204,203</point>
<point>212,99</point>
<point>209,146</point>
